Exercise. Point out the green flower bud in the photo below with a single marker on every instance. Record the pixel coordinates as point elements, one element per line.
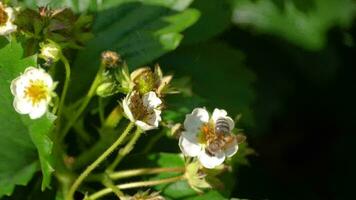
<point>196,179</point>
<point>106,89</point>
<point>51,52</point>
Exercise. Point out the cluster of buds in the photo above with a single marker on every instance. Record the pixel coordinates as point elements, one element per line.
<point>144,89</point>
<point>60,25</point>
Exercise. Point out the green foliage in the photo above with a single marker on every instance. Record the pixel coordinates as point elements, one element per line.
<point>139,31</point>
<point>229,84</point>
<point>215,18</point>
<point>306,28</point>
<point>20,136</point>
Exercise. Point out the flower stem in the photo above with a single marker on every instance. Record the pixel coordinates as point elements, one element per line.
<point>143,171</point>
<point>106,191</point>
<point>65,88</point>
<point>134,172</point>
<point>123,152</point>
<point>101,110</point>
<point>101,158</point>
<point>109,184</point>
<point>85,101</point>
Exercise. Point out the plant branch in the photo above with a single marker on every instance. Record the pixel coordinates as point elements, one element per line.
<point>65,88</point>
<point>134,172</point>
<point>101,158</point>
<point>109,184</point>
<point>85,101</point>
<point>106,191</point>
<point>123,152</point>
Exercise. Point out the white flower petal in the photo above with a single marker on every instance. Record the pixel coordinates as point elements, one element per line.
<point>39,110</point>
<point>19,85</point>
<point>189,145</point>
<point>231,149</point>
<point>144,126</point>
<point>193,121</point>
<point>10,14</point>
<point>150,100</point>
<point>22,106</point>
<point>209,161</point>
<point>218,113</point>
<point>47,79</point>
<point>14,84</point>
<point>231,122</point>
<point>154,118</point>
<point>125,106</point>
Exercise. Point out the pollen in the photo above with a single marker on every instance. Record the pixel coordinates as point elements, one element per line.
<point>36,91</point>
<point>207,133</point>
<point>3,16</point>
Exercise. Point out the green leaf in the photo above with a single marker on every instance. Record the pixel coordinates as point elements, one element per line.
<point>307,29</point>
<point>140,31</point>
<point>223,82</point>
<point>19,136</point>
<point>215,18</point>
<point>175,190</point>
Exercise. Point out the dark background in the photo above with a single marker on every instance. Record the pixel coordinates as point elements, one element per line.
<point>305,117</point>
<point>303,111</point>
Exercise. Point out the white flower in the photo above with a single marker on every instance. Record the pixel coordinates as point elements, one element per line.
<point>143,110</point>
<point>208,138</point>
<point>33,92</point>
<point>7,17</point>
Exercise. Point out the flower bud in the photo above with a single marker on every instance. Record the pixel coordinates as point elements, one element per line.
<point>110,59</point>
<point>144,80</point>
<point>50,51</point>
<point>195,177</point>
<point>106,89</point>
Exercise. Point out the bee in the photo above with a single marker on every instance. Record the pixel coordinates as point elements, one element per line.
<point>222,126</point>
<point>223,137</point>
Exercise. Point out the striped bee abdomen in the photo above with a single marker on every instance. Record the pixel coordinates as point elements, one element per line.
<point>222,126</point>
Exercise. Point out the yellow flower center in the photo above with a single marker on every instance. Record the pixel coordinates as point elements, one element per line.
<point>36,91</point>
<point>207,133</point>
<point>3,16</point>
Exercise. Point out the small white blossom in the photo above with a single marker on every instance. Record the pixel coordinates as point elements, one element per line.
<point>143,110</point>
<point>7,18</point>
<point>202,137</point>
<point>33,92</point>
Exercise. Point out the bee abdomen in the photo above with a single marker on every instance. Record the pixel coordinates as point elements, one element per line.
<point>222,126</point>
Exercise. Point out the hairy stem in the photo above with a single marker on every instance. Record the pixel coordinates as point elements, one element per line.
<point>123,152</point>
<point>101,110</point>
<point>134,172</point>
<point>101,158</point>
<point>84,102</point>
<point>65,89</point>
<point>106,133</point>
<point>106,191</point>
<point>109,184</point>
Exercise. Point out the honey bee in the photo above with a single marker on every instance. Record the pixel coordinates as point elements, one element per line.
<point>223,137</point>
